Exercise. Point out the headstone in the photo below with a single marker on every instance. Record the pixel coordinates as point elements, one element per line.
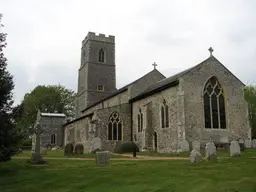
<point>196,145</point>
<point>247,143</point>
<point>55,148</point>
<point>254,143</point>
<point>234,149</point>
<point>37,156</point>
<point>102,157</point>
<point>184,145</point>
<point>210,150</point>
<point>195,156</point>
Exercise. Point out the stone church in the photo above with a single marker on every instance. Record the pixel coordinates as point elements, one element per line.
<point>205,102</point>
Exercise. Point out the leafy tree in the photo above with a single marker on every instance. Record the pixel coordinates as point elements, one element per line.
<point>48,99</point>
<point>250,97</point>
<point>9,135</point>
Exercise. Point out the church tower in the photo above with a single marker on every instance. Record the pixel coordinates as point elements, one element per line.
<point>97,74</point>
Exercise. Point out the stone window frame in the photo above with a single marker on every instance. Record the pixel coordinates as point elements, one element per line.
<point>101,55</point>
<point>140,121</point>
<point>55,138</point>
<point>222,92</point>
<point>118,120</point>
<point>164,115</point>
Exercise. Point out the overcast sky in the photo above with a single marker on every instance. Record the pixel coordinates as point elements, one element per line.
<point>44,37</point>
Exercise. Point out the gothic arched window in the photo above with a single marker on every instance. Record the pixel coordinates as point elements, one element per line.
<point>164,115</point>
<point>101,56</point>
<point>115,127</point>
<point>214,105</point>
<point>140,121</point>
<point>53,139</point>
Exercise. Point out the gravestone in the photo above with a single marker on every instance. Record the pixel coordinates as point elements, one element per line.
<point>234,149</point>
<point>210,150</point>
<point>195,156</point>
<point>102,157</point>
<point>247,143</point>
<point>254,143</point>
<point>196,145</point>
<point>184,145</point>
<point>37,156</point>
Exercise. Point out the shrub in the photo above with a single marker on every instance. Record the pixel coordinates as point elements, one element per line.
<point>126,147</point>
<point>79,149</point>
<point>68,151</point>
<point>96,150</point>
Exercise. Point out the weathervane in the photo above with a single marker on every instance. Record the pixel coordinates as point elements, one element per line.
<point>154,64</point>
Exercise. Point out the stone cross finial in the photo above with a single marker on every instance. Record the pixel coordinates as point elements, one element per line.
<point>211,50</point>
<point>154,64</point>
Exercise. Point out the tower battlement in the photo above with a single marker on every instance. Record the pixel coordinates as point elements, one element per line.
<point>100,37</point>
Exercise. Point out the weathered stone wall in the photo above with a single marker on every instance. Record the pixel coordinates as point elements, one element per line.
<point>236,107</point>
<point>77,132</point>
<point>52,125</point>
<point>124,110</point>
<point>167,138</point>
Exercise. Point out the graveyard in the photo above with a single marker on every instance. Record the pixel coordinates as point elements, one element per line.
<point>66,174</point>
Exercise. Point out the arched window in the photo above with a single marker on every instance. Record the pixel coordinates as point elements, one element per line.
<point>140,121</point>
<point>53,139</point>
<point>101,56</point>
<point>115,127</point>
<point>164,115</point>
<point>214,105</point>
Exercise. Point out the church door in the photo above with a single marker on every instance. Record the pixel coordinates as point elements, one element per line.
<point>155,141</point>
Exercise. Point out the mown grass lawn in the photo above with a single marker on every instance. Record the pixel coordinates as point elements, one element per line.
<point>60,154</point>
<point>64,175</point>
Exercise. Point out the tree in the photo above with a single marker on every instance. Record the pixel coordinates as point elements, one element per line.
<point>48,99</point>
<point>250,97</point>
<point>9,135</point>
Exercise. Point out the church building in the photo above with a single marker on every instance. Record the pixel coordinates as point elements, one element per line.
<point>203,103</point>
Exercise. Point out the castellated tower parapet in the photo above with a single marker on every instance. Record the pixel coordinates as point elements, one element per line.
<point>101,37</point>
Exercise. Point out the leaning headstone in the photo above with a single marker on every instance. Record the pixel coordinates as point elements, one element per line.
<point>196,145</point>
<point>195,156</point>
<point>210,151</point>
<point>184,145</point>
<point>102,157</point>
<point>234,149</point>
<point>247,143</point>
<point>254,143</point>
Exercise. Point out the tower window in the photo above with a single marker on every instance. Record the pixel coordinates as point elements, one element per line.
<point>100,88</point>
<point>101,56</point>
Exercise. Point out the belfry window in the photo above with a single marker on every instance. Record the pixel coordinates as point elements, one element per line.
<point>115,127</point>
<point>214,105</point>
<point>140,121</point>
<point>164,115</point>
<point>101,56</point>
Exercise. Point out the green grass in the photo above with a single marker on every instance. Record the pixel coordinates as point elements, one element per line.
<point>60,154</point>
<point>63,175</point>
<point>220,153</point>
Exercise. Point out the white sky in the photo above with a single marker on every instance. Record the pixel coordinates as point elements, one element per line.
<point>44,37</point>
